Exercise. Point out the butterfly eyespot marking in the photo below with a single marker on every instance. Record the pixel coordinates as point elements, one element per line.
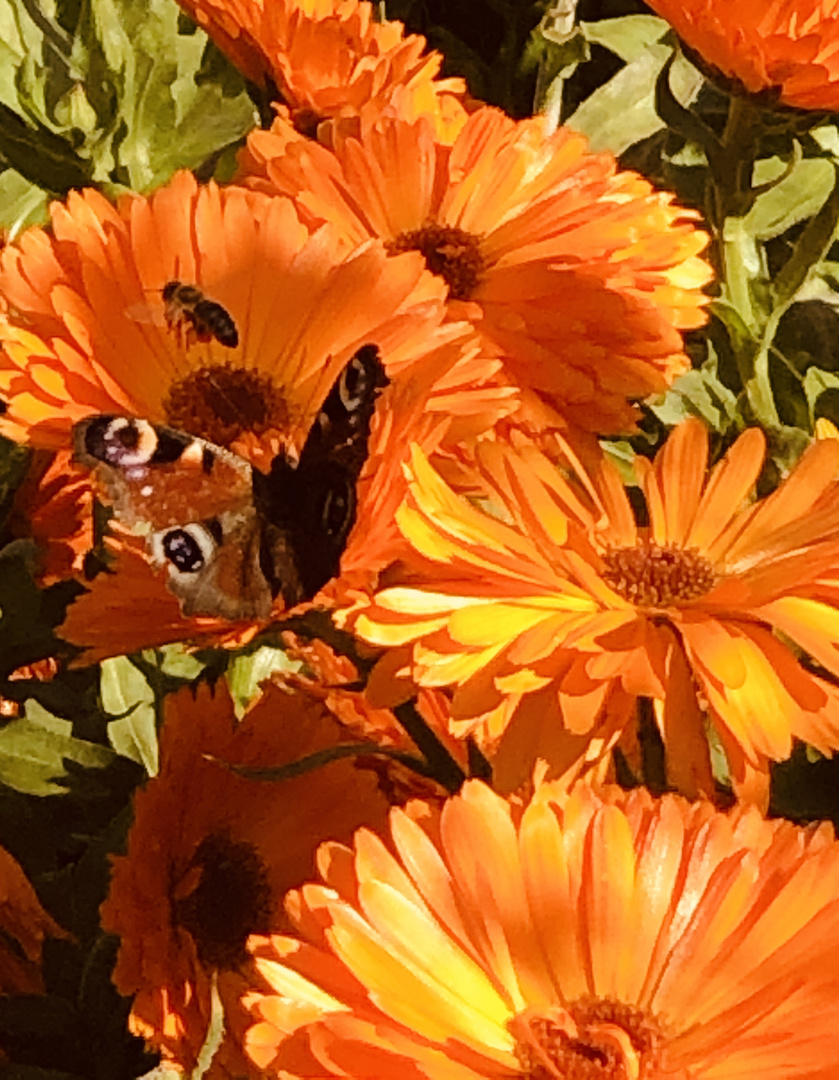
<point>187,549</point>
<point>353,384</point>
<point>338,510</point>
<point>120,441</point>
<point>231,538</point>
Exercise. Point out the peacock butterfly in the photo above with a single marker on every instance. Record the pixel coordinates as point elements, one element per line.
<point>231,537</point>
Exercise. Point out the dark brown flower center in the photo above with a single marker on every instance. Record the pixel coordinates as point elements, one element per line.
<point>591,1040</point>
<point>230,900</point>
<point>306,121</point>
<point>653,575</point>
<point>220,402</point>
<point>451,253</point>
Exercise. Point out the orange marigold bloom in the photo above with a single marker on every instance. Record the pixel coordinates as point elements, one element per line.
<point>607,935</point>
<point>558,616</point>
<point>54,506</point>
<point>787,47</point>
<point>25,926</point>
<point>327,58</point>
<point>211,853</point>
<point>579,275</point>
<point>89,334</point>
<point>334,679</point>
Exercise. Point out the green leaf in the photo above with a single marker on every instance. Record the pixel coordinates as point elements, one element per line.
<point>120,99</point>
<point>812,245</point>
<point>43,158</point>
<point>628,36</point>
<point>127,695</point>
<point>820,385</point>
<point>248,670</point>
<point>795,198</point>
<point>22,203</point>
<point>27,613</point>
<point>698,393</point>
<point>169,115</point>
<point>622,111</point>
<point>34,748</point>
<point>175,661</point>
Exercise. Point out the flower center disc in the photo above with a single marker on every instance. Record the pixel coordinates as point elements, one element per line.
<point>650,575</point>
<point>219,403</point>
<point>597,1040</point>
<point>230,901</point>
<point>451,253</point>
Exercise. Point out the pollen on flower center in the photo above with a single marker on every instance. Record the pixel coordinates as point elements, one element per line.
<point>591,1040</point>
<point>220,402</point>
<point>653,575</point>
<point>229,899</point>
<point>451,253</point>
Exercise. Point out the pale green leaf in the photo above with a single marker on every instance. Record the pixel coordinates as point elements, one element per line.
<point>247,671</point>
<point>127,696</point>
<point>135,737</point>
<point>122,686</point>
<point>628,36</point>
<point>175,661</point>
<point>795,198</point>
<point>33,750</point>
<point>622,111</point>
<point>22,203</point>
<point>698,393</point>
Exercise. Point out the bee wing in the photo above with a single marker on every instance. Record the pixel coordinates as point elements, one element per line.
<point>149,314</point>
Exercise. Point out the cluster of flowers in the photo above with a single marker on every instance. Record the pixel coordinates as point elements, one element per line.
<point>523,293</point>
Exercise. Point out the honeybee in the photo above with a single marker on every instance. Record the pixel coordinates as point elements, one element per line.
<point>187,308</point>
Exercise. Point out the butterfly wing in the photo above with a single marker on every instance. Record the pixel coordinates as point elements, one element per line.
<point>194,504</point>
<point>232,539</point>
<point>310,507</point>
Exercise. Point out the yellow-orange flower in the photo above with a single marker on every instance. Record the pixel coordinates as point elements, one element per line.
<point>328,59</point>
<point>581,276</point>
<point>25,926</point>
<point>788,47</point>
<point>554,619</point>
<point>593,935</point>
<point>211,853</point>
<point>89,334</point>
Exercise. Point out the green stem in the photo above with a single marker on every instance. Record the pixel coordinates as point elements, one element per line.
<point>441,764</point>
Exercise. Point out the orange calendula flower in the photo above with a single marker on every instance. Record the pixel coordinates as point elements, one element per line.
<point>554,619</point>
<point>54,506</point>
<point>581,276</point>
<point>93,333</point>
<point>327,59</point>
<point>789,48</point>
<point>90,334</point>
<point>334,679</point>
<point>606,935</point>
<point>25,926</point>
<point>211,853</point>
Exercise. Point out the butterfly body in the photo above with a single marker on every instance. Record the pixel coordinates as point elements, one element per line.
<point>233,538</point>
